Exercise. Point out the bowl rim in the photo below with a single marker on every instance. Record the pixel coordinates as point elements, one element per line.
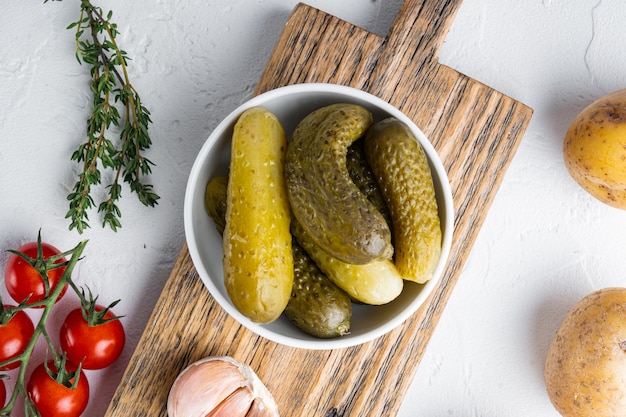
<point>226,304</point>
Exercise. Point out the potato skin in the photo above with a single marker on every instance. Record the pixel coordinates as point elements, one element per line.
<point>594,149</point>
<point>585,369</point>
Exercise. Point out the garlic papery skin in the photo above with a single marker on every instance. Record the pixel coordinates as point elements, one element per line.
<point>219,386</point>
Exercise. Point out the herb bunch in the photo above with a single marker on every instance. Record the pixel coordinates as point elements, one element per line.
<point>116,106</point>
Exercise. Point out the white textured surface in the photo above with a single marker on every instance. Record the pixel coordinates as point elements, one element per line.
<point>544,245</point>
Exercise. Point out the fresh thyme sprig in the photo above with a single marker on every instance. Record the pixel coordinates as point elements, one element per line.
<point>96,46</point>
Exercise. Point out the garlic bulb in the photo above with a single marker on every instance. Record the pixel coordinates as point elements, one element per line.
<point>219,387</point>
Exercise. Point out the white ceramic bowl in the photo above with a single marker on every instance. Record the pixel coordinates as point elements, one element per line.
<point>291,104</point>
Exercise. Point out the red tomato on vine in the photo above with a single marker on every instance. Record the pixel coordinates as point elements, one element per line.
<point>57,398</point>
<point>15,333</point>
<point>24,281</point>
<point>97,341</point>
<point>3,394</point>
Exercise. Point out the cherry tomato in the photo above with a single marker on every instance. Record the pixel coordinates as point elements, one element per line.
<point>3,394</point>
<point>53,399</point>
<point>14,337</point>
<point>98,346</point>
<point>23,280</point>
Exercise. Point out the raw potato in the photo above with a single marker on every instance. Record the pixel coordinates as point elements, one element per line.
<point>594,149</point>
<point>585,370</point>
<point>258,262</point>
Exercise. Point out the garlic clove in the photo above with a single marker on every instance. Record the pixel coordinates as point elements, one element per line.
<point>219,386</point>
<point>237,404</point>
<point>201,387</point>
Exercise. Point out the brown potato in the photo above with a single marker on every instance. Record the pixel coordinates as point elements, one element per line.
<point>594,149</point>
<point>585,369</point>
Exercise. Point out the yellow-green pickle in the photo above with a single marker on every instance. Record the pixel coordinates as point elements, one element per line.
<point>354,182</point>
<point>324,199</point>
<point>316,306</point>
<point>215,201</point>
<point>258,261</point>
<point>363,177</point>
<point>376,282</point>
<point>403,174</point>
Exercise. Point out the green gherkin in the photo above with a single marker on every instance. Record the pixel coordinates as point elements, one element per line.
<point>258,263</point>
<point>376,282</point>
<point>215,201</point>
<point>317,306</point>
<point>401,168</point>
<point>363,177</point>
<point>328,205</point>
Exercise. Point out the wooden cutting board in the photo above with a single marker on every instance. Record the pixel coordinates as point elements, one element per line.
<point>476,131</point>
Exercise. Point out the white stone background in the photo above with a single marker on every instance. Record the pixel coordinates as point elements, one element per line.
<point>544,245</point>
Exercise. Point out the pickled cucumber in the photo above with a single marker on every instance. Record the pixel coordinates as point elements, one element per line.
<point>363,177</point>
<point>376,282</point>
<point>316,306</point>
<point>215,201</point>
<point>401,168</point>
<point>328,205</point>
<point>258,260</point>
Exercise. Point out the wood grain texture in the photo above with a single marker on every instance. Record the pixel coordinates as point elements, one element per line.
<point>475,130</point>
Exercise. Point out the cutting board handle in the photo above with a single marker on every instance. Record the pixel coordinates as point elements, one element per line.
<point>420,27</point>
<point>409,55</point>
